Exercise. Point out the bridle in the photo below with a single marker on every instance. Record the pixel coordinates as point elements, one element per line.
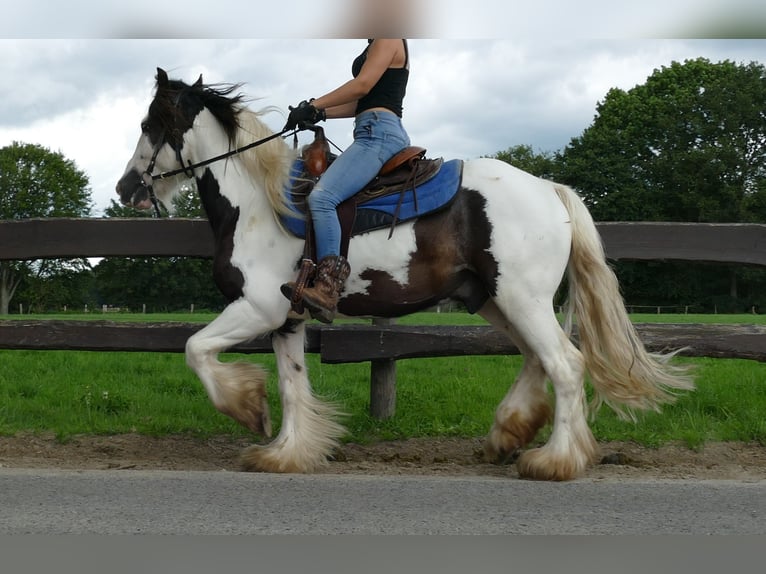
<point>148,179</point>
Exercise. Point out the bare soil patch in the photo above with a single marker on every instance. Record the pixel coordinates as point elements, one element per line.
<point>446,457</point>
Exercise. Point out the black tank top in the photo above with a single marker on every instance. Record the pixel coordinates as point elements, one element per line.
<point>390,90</point>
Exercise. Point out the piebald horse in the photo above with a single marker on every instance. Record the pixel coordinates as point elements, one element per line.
<point>502,247</point>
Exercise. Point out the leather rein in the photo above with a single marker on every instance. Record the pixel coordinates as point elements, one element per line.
<point>148,179</point>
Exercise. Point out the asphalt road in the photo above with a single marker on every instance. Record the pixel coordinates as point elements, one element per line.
<point>171,502</point>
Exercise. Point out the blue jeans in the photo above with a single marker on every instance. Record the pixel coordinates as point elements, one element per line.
<point>378,136</point>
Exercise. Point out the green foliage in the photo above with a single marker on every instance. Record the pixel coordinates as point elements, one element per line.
<point>35,182</point>
<point>688,145</point>
<point>160,283</point>
<point>185,204</point>
<point>124,211</point>
<point>70,285</point>
<point>701,286</point>
<point>542,164</point>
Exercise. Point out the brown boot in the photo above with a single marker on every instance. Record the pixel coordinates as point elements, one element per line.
<point>322,299</point>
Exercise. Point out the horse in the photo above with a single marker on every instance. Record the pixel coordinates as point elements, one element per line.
<point>502,247</point>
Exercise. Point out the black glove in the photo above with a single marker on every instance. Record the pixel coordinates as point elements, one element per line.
<point>305,113</point>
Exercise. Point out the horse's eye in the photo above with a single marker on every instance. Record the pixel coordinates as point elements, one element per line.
<point>144,127</point>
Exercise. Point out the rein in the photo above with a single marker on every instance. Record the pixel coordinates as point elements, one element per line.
<point>147,178</point>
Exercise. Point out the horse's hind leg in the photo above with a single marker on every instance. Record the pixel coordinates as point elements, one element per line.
<point>236,389</point>
<point>309,431</point>
<point>571,446</point>
<point>526,407</point>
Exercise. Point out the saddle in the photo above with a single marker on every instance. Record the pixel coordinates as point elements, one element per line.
<point>406,171</point>
<point>402,174</point>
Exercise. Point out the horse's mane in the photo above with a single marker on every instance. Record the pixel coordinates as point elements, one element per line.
<point>269,163</point>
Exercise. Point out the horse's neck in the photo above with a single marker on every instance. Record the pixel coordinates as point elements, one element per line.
<point>226,178</point>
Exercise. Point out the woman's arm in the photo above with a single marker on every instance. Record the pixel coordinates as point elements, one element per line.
<point>343,111</point>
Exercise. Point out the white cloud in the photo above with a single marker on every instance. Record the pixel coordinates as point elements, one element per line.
<point>99,138</point>
<point>466,97</point>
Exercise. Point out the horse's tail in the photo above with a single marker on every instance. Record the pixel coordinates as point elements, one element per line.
<point>624,375</point>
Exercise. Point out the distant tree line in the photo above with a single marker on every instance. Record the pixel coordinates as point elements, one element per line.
<point>687,145</point>
<point>35,182</point>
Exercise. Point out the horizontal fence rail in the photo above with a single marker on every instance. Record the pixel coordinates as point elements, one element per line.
<point>114,237</point>
<point>743,243</point>
<point>363,343</point>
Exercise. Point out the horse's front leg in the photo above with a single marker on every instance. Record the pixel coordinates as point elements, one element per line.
<point>309,432</point>
<point>236,389</point>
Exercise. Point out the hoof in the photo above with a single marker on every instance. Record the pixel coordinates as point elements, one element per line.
<point>507,438</point>
<point>263,425</point>
<point>536,465</point>
<point>254,415</point>
<point>267,458</point>
<point>543,464</point>
<point>500,456</point>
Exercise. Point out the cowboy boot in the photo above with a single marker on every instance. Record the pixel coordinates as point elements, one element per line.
<point>322,298</point>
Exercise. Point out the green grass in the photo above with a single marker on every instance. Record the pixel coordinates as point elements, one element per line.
<point>748,319</point>
<point>69,393</point>
<point>425,318</point>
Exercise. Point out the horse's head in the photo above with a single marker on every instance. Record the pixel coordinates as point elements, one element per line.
<point>165,131</point>
<point>187,129</point>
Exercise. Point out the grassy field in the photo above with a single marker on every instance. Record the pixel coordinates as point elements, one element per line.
<point>428,318</point>
<point>71,393</point>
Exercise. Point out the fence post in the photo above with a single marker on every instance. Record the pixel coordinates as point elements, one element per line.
<point>382,383</point>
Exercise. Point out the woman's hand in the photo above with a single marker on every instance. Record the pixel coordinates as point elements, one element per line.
<point>304,113</point>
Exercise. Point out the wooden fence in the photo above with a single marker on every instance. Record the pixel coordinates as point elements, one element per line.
<point>381,344</point>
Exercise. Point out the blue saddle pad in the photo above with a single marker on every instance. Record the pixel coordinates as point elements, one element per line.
<point>376,213</point>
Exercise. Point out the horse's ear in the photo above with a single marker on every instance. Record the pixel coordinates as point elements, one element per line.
<point>162,77</point>
<point>198,82</point>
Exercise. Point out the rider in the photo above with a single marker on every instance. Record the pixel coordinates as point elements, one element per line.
<point>374,98</point>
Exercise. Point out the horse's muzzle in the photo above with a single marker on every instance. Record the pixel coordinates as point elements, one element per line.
<point>132,192</point>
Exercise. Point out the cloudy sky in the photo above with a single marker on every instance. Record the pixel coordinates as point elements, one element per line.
<point>467,97</point>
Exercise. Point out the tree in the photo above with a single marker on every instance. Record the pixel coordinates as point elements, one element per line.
<point>542,164</point>
<point>35,182</point>
<point>688,145</point>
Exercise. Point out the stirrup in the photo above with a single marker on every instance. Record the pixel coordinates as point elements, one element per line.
<point>305,275</point>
